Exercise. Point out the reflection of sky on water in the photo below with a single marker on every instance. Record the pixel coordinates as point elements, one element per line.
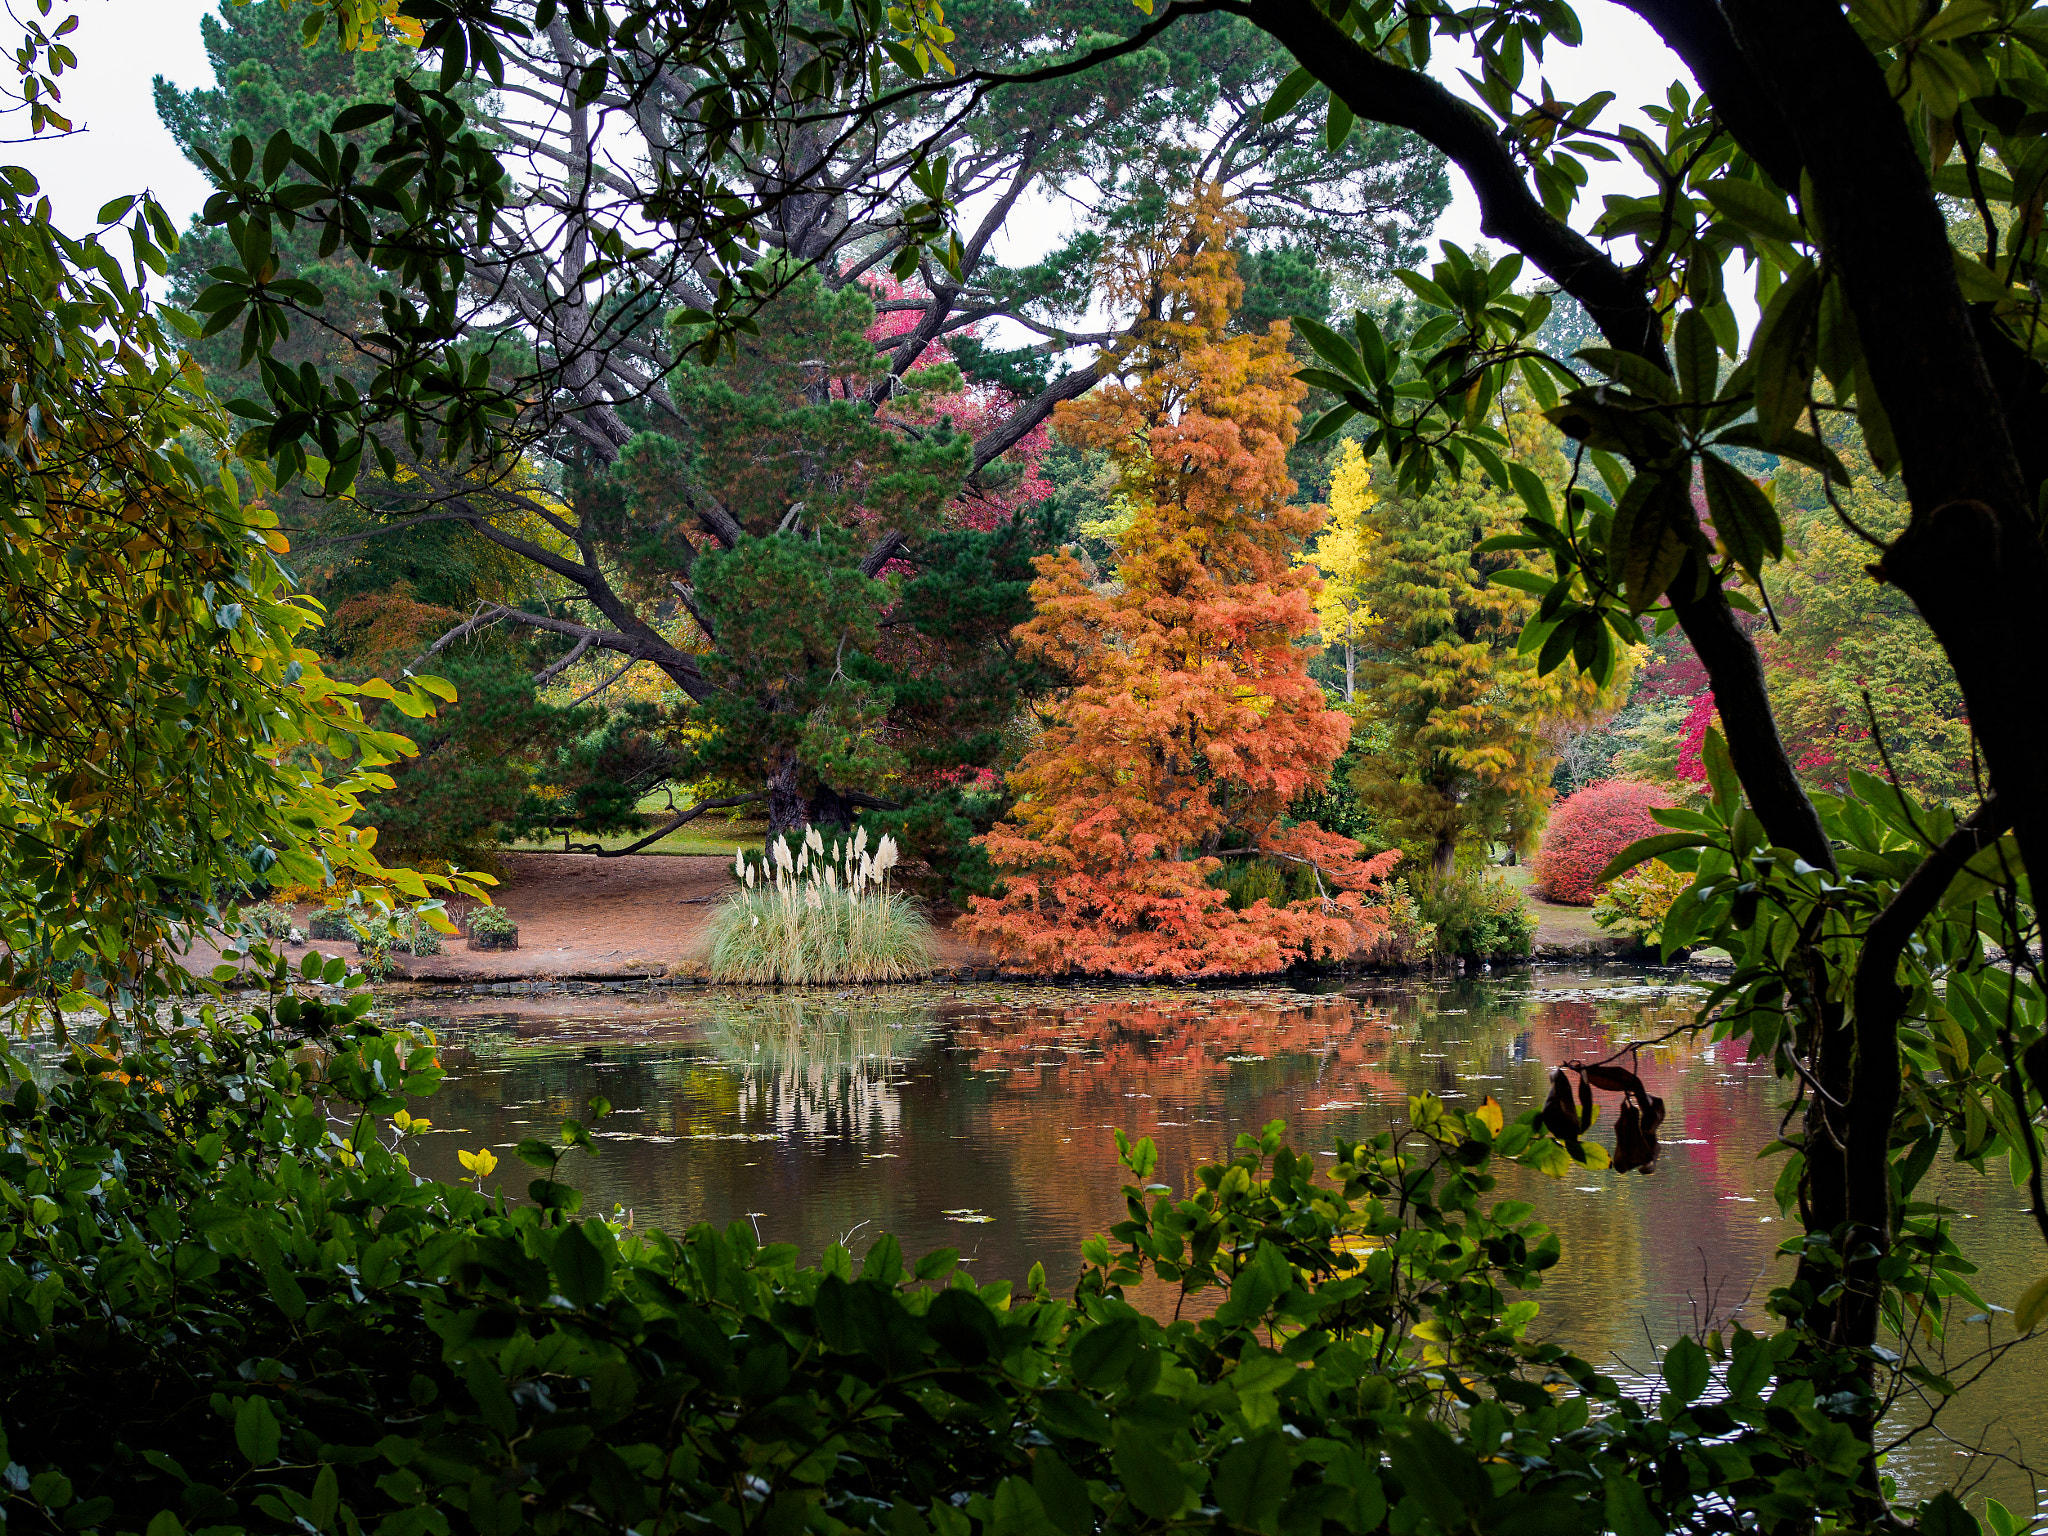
<point>981,1119</point>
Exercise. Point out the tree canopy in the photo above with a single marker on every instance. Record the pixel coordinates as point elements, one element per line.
<point>1192,723</point>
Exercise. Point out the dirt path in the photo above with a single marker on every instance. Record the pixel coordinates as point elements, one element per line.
<point>605,919</point>
<point>644,915</point>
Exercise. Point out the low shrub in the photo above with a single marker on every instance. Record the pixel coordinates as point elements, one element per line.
<point>271,920</point>
<point>233,1313</point>
<point>1476,915</point>
<point>1636,903</point>
<point>399,931</point>
<point>488,921</point>
<point>1588,829</point>
<point>1409,939</point>
<point>824,913</point>
<point>330,924</point>
<point>1250,881</point>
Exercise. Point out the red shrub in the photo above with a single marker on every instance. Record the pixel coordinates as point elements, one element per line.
<point>1590,828</point>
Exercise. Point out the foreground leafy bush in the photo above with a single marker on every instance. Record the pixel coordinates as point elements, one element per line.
<point>1587,830</point>
<point>227,1303</point>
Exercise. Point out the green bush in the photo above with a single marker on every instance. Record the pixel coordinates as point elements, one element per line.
<point>1477,916</point>
<point>330,923</point>
<point>1272,880</point>
<point>1636,903</point>
<point>821,914</point>
<point>491,921</point>
<point>233,1312</point>
<point>398,931</point>
<point>1409,939</point>
<point>270,920</point>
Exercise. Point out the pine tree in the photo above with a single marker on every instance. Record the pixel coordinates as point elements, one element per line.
<point>1470,729</point>
<point>1192,721</point>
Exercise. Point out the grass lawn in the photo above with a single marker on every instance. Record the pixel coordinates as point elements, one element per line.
<point>1555,923</point>
<point>709,833</point>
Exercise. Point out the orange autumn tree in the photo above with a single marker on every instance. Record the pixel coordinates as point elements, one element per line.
<point>1192,721</point>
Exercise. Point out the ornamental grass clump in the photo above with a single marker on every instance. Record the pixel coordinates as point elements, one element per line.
<point>823,913</point>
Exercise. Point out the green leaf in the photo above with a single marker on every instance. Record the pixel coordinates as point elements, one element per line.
<point>1534,494</point>
<point>257,1432</point>
<point>1979,283</point>
<point>1339,126</point>
<point>1290,90</point>
<point>1636,374</point>
<point>1644,550</point>
<point>536,1152</point>
<point>1698,355</point>
<point>1944,1515</point>
<point>1721,774</point>
<point>1526,581</point>
<point>1252,1479</point>
<point>361,116</point>
<point>1329,424</point>
<point>1743,515</point>
<point>582,1265</point>
<point>1063,1495</point>
<point>1445,1478</point>
<point>1104,1354</point>
<point>2032,1308</point>
<point>1628,1511</point>
<point>1753,208</point>
<point>884,1261</point>
<point>1329,345</point>
<point>1686,1371</point>
<point>1154,1483</point>
<point>1783,351</point>
<point>1749,1372</point>
<point>1426,290</point>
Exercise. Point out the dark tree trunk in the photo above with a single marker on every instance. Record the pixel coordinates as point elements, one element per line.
<point>788,811</point>
<point>830,809</point>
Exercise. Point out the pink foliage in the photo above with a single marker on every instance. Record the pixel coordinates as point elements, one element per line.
<point>1692,739</point>
<point>975,410</point>
<point>1587,830</point>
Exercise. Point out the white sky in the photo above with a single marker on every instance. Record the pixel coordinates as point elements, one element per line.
<point>122,147</point>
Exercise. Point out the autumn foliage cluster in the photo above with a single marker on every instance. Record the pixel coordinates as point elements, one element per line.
<point>1191,722</point>
<point>1587,830</point>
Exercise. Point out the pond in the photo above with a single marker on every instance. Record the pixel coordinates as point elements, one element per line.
<point>980,1118</point>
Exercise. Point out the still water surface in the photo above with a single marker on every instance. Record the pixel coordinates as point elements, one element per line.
<point>980,1118</point>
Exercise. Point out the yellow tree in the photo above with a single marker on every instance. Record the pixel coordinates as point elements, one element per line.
<point>1343,558</point>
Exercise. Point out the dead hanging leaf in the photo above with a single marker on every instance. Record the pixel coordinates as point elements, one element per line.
<point>1634,1147</point>
<point>1635,1128</point>
<point>1614,1079</point>
<point>1490,1111</point>
<point>1560,1118</point>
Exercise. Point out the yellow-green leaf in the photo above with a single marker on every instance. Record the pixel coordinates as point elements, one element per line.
<point>2033,1306</point>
